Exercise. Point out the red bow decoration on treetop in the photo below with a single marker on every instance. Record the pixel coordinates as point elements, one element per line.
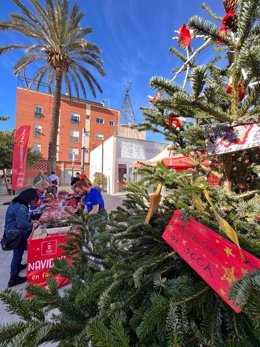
<point>227,23</point>
<point>228,19</point>
<point>241,91</point>
<point>184,36</point>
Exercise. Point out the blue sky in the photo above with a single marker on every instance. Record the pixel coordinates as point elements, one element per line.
<point>135,37</point>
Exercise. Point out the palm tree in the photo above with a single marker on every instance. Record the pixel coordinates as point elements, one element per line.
<point>58,42</point>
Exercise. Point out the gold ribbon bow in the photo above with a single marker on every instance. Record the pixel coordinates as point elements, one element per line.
<point>224,225</point>
<point>154,203</point>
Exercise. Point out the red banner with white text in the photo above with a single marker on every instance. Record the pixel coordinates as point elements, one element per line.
<point>214,258</point>
<point>19,156</point>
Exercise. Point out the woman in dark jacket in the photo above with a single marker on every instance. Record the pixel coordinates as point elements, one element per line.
<point>17,219</point>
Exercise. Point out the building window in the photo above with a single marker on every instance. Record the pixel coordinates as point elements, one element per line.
<point>99,120</point>
<point>37,147</point>
<point>73,153</point>
<point>99,136</point>
<point>38,111</point>
<point>111,122</point>
<point>74,136</point>
<point>37,130</point>
<point>74,118</point>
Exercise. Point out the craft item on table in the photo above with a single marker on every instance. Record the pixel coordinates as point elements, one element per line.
<point>39,233</point>
<point>58,230</point>
<point>71,203</point>
<point>54,223</point>
<point>60,207</point>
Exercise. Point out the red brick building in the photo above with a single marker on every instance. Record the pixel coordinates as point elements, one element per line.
<point>84,125</point>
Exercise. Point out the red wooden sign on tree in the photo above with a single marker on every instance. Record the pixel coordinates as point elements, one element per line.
<point>213,257</point>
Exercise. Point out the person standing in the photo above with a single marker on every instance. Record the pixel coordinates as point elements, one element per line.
<point>54,182</point>
<point>75,179</point>
<point>17,220</point>
<point>40,177</point>
<point>9,184</point>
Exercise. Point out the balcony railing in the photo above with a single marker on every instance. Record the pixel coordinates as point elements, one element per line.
<point>37,133</point>
<point>38,115</point>
<point>74,139</point>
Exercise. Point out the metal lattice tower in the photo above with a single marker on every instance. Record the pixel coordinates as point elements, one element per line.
<point>127,116</point>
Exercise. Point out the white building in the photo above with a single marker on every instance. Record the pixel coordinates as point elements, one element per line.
<point>116,156</point>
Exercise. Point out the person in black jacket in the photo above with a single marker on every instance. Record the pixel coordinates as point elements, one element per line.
<point>75,179</point>
<point>17,220</point>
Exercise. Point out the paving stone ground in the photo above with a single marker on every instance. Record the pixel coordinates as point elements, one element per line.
<point>111,203</point>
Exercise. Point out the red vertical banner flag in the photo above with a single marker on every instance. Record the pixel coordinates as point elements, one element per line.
<point>19,156</point>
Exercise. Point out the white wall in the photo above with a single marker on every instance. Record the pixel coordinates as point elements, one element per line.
<point>108,162</point>
<point>121,150</point>
<point>133,150</point>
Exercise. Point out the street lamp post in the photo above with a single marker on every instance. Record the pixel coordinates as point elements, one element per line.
<point>102,157</point>
<point>83,158</point>
<point>83,150</point>
<point>72,163</point>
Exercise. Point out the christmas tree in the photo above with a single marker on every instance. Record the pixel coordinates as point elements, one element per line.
<point>131,288</point>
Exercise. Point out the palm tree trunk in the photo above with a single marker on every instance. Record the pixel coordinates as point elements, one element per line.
<point>52,154</point>
<point>228,171</point>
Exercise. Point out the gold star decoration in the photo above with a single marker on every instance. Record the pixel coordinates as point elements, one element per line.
<point>170,227</point>
<point>154,203</point>
<point>222,292</point>
<point>229,274</point>
<point>228,252</point>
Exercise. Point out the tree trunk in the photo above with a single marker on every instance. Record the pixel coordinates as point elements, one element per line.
<point>228,171</point>
<point>52,154</point>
